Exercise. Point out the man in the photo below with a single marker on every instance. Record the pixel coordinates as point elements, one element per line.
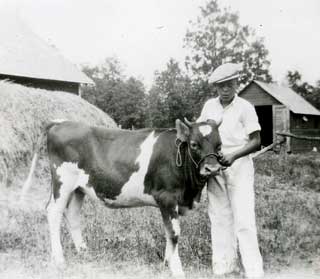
<point>231,193</point>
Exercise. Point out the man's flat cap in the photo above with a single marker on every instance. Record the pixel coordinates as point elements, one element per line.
<point>225,72</point>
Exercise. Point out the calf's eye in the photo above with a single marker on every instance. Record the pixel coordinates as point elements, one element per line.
<point>193,145</point>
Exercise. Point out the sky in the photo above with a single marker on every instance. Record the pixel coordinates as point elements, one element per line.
<point>145,34</point>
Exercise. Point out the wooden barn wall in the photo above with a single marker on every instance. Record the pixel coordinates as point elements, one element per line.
<point>281,122</point>
<point>304,128</point>
<point>257,96</point>
<point>70,87</point>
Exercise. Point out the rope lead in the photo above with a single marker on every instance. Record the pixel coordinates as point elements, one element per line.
<point>178,156</point>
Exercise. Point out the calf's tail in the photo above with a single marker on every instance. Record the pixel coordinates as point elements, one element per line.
<point>27,184</point>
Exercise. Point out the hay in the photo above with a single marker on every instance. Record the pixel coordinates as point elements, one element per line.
<point>23,113</point>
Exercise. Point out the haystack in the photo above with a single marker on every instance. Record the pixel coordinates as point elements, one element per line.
<point>24,111</point>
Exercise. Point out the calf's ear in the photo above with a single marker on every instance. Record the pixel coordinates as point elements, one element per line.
<point>187,122</point>
<point>182,130</point>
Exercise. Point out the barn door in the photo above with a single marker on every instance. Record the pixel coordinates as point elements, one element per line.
<point>281,122</point>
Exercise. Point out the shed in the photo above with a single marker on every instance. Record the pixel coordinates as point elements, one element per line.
<point>27,59</point>
<point>280,109</point>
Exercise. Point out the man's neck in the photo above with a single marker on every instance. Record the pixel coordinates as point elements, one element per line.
<point>225,104</point>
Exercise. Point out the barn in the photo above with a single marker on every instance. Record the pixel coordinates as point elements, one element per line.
<point>27,59</point>
<point>280,109</point>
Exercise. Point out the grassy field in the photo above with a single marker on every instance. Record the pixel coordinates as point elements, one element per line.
<point>129,243</point>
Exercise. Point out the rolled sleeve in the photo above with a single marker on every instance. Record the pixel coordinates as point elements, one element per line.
<point>250,120</point>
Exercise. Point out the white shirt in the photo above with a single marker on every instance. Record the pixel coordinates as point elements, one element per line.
<point>239,120</point>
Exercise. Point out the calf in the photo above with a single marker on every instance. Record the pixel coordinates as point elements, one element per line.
<point>165,168</point>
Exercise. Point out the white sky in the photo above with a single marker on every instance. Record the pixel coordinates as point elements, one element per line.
<point>144,34</point>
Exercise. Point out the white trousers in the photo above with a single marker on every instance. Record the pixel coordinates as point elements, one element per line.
<point>232,216</point>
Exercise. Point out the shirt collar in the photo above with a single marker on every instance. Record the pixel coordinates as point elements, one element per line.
<point>235,99</point>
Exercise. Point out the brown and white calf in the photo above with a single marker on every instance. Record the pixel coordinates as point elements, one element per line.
<point>165,168</point>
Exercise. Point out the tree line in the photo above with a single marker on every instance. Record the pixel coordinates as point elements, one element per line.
<point>215,37</point>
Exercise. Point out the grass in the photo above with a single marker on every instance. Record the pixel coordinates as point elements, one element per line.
<point>288,207</point>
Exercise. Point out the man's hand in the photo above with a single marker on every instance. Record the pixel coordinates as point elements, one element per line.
<point>253,144</point>
<point>227,160</point>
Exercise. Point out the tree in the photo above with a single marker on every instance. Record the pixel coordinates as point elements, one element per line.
<point>124,100</point>
<point>169,97</point>
<point>306,90</point>
<point>133,104</point>
<point>217,37</point>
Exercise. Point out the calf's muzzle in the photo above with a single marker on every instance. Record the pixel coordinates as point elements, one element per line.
<point>209,169</point>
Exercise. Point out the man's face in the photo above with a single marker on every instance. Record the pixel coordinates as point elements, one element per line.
<point>227,90</point>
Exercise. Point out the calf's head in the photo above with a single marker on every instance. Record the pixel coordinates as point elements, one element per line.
<point>204,144</point>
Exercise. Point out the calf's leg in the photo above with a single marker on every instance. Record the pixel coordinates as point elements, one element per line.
<point>172,230</point>
<point>66,179</point>
<point>72,216</point>
<point>55,210</point>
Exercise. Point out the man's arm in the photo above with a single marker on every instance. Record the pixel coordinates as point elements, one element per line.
<point>253,145</point>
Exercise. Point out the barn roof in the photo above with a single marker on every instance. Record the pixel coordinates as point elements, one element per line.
<point>24,54</point>
<point>287,97</point>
